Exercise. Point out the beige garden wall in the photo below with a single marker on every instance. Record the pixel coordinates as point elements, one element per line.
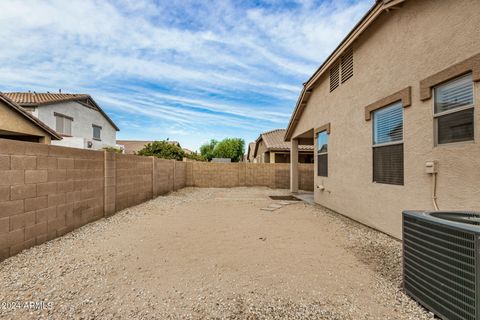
<point>400,49</point>
<point>273,175</point>
<point>47,191</point>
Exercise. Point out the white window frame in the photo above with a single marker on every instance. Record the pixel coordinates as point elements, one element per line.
<point>373,126</point>
<point>321,153</point>
<point>378,145</point>
<point>454,110</point>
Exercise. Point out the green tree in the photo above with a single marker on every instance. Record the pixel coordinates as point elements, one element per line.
<point>195,156</point>
<point>206,150</point>
<point>112,149</point>
<point>232,148</point>
<point>162,149</point>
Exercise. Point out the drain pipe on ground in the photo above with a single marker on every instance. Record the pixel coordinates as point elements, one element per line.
<point>431,167</point>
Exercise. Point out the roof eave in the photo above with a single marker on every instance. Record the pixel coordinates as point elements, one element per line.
<point>104,114</point>
<point>367,19</point>
<point>32,118</point>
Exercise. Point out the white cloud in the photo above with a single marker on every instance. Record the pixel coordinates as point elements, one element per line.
<point>225,64</point>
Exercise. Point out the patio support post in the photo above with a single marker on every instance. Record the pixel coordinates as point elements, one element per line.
<point>294,166</point>
<point>272,157</point>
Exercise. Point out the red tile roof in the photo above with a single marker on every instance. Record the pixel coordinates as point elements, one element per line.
<point>30,117</point>
<point>33,98</point>
<point>25,99</point>
<point>274,140</point>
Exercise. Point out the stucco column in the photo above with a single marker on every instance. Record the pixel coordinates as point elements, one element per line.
<point>272,157</point>
<point>294,166</point>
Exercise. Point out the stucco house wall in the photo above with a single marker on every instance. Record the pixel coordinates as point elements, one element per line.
<point>11,122</point>
<point>398,50</point>
<point>83,119</point>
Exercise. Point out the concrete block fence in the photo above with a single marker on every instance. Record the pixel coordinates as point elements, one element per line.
<point>47,191</point>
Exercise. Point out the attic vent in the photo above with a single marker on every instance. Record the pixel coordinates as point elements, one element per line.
<point>347,65</point>
<point>334,77</point>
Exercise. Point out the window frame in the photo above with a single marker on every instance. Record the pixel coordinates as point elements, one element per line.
<point>452,111</point>
<point>386,144</point>
<point>318,131</point>
<point>94,126</point>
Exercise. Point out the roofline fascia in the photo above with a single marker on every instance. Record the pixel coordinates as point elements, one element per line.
<point>72,99</point>
<point>103,113</point>
<point>32,118</point>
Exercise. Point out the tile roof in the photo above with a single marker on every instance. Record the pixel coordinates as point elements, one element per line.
<point>274,140</point>
<point>30,117</point>
<point>33,98</point>
<point>38,99</point>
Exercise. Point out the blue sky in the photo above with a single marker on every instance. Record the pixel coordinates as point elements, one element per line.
<point>185,70</point>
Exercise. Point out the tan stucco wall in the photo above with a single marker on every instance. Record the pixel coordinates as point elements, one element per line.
<point>10,120</point>
<point>263,155</point>
<point>401,48</point>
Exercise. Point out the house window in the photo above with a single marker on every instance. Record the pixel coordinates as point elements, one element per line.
<point>97,132</point>
<point>388,144</point>
<point>322,154</point>
<point>454,110</point>
<point>63,124</point>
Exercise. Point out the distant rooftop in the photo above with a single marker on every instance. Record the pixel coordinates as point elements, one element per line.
<point>33,98</point>
<point>274,140</point>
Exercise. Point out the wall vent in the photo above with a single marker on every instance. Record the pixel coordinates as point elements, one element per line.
<point>440,262</point>
<point>347,65</point>
<point>334,76</point>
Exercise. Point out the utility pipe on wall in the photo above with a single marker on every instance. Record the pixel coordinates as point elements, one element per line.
<point>434,191</point>
<point>431,167</point>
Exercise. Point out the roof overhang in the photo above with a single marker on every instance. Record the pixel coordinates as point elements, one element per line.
<point>53,135</point>
<point>374,12</point>
<point>83,99</point>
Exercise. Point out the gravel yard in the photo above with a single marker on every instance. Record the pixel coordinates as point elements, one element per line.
<point>212,254</point>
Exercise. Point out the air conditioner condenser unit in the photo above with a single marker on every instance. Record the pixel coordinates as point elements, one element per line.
<point>441,267</point>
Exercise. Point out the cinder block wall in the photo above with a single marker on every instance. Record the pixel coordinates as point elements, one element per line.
<point>47,191</point>
<point>273,175</point>
<point>134,180</point>
<point>164,176</point>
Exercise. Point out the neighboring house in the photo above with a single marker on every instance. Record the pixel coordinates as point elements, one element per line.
<point>271,148</point>
<point>396,104</point>
<point>250,152</point>
<point>133,146</point>
<point>76,117</point>
<point>18,124</point>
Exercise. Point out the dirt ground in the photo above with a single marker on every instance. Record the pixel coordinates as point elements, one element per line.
<point>211,254</point>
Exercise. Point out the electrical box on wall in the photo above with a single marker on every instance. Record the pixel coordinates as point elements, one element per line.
<point>431,167</point>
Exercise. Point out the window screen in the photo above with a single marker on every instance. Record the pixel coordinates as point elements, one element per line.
<point>63,124</point>
<point>388,164</point>
<point>322,154</point>
<point>388,145</point>
<point>454,110</point>
<point>455,127</point>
